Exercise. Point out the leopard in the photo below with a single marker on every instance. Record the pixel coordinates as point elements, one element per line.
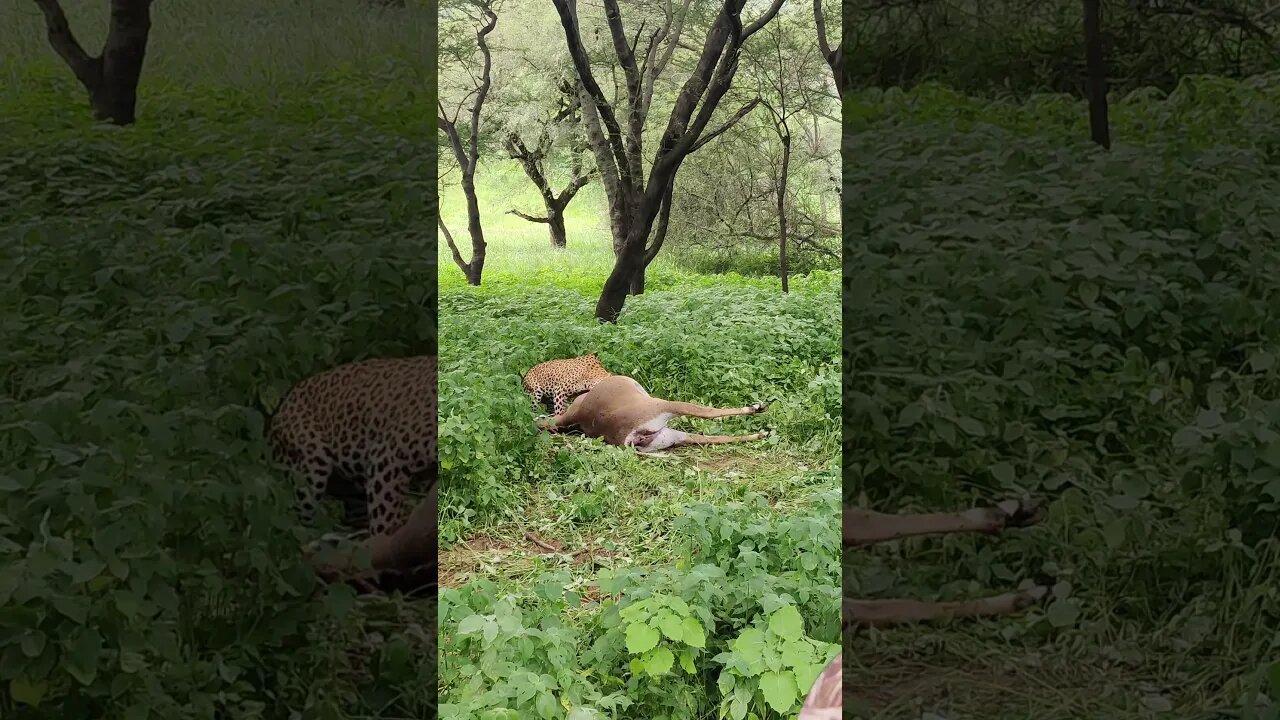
<point>364,432</point>
<point>562,380</point>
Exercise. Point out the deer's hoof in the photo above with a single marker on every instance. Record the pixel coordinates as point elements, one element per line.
<point>1019,514</point>
<point>1031,596</point>
<point>758,407</point>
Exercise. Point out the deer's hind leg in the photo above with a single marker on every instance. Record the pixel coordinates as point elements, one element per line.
<point>709,413</point>
<point>866,527</point>
<point>889,612</point>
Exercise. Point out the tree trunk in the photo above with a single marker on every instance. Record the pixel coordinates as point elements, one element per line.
<point>111,79</point>
<point>626,265</point>
<point>782,208</point>
<point>532,161</point>
<point>833,56</point>
<point>1096,66</point>
<point>634,203</point>
<point>555,225</point>
<point>659,237</point>
<point>468,158</point>
<point>475,269</point>
<point>463,265</point>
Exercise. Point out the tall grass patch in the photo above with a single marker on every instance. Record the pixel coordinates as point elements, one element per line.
<point>1027,314</point>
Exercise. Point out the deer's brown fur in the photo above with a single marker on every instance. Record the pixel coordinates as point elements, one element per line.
<point>620,411</point>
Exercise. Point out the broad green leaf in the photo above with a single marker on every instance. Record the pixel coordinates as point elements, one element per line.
<point>659,662</point>
<point>471,624</point>
<point>1062,613</point>
<point>686,661</point>
<point>1088,293</point>
<point>692,633</point>
<point>749,645</point>
<point>786,623</point>
<point>796,653</point>
<point>641,638</point>
<point>806,676</point>
<point>82,654</point>
<point>671,626</point>
<point>779,689</point>
<point>1004,473</point>
<point>27,692</point>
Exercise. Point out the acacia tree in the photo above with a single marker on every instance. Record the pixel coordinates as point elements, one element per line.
<point>766,197</point>
<point>833,56</point>
<point>784,78</point>
<point>111,77</point>
<point>728,206</point>
<point>467,155</point>
<point>534,162</point>
<point>636,202</point>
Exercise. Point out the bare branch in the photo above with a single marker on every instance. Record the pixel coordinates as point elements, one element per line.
<point>486,80</point>
<point>834,58</point>
<point>453,247</point>
<point>567,9</point>
<point>761,21</point>
<point>87,69</point>
<point>742,112</point>
<point>530,218</point>
<point>664,219</point>
<point>627,61</point>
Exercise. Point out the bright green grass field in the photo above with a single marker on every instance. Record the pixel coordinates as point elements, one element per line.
<point>1026,314</point>
<point>553,548</point>
<point>518,247</point>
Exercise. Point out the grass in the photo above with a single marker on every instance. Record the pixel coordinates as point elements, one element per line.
<point>520,246</point>
<point>160,287</point>
<point>603,528</point>
<point>1028,315</point>
<point>266,49</point>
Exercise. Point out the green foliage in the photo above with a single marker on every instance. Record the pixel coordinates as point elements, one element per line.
<point>1026,314</point>
<point>722,344</point>
<point>772,660</point>
<point>659,629</point>
<point>161,287</point>
<point>694,553</point>
<point>651,647</point>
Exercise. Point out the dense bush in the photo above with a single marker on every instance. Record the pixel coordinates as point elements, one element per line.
<point>1027,314</point>
<point>160,287</point>
<point>666,642</point>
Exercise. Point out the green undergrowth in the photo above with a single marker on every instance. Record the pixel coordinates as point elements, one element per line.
<point>677,587</point>
<point>1026,314</point>
<point>161,287</point>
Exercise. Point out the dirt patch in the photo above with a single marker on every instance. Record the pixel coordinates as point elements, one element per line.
<point>731,463</point>
<point>954,687</point>
<point>460,562</point>
<point>546,546</point>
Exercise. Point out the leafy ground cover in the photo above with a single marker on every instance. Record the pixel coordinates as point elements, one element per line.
<point>581,581</point>
<point>1027,314</point>
<point>160,287</point>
